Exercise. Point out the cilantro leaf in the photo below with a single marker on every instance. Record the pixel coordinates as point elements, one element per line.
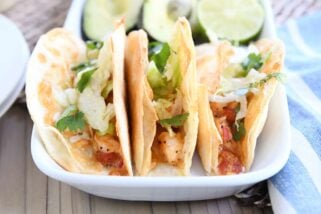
<point>239,131</point>
<point>83,65</point>
<point>159,53</point>
<point>92,45</point>
<point>72,122</point>
<point>175,121</point>
<point>252,61</point>
<point>84,79</point>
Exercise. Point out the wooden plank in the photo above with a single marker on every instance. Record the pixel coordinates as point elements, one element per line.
<point>183,208</point>
<point>235,207</point>
<point>65,199</point>
<point>247,210</point>
<point>104,206</point>
<point>212,207</point>
<point>53,197</point>
<point>267,210</point>
<point>163,208</point>
<point>80,201</point>
<point>257,210</point>
<point>12,161</point>
<point>224,206</point>
<point>198,207</point>
<point>36,182</point>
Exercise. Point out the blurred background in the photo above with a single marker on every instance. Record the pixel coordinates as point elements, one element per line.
<point>35,17</point>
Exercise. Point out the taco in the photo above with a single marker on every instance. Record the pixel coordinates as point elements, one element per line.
<point>76,98</point>
<point>162,92</point>
<point>236,86</point>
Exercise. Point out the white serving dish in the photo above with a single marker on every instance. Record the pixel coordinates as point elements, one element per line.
<point>272,152</point>
<point>14,54</point>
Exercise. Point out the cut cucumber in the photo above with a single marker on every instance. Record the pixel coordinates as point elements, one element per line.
<point>235,20</point>
<point>159,16</point>
<point>100,16</point>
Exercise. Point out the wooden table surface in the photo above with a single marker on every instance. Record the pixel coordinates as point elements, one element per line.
<point>24,189</point>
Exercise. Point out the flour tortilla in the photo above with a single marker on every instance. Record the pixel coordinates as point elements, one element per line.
<point>209,139</point>
<point>143,114</point>
<point>49,70</point>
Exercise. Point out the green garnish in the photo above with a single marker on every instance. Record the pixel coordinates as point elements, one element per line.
<point>252,61</point>
<point>93,45</point>
<point>84,79</point>
<point>74,121</point>
<point>279,76</point>
<point>159,53</point>
<point>239,132</point>
<point>83,65</point>
<point>175,121</point>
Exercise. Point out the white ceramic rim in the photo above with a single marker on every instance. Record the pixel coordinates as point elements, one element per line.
<point>15,77</point>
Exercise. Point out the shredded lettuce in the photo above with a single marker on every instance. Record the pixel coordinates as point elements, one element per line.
<point>156,79</point>
<point>110,130</point>
<point>161,106</point>
<point>163,73</point>
<point>93,105</point>
<point>108,88</point>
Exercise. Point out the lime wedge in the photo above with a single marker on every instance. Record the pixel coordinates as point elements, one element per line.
<point>100,16</point>
<point>234,20</point>
<point>159,16</point>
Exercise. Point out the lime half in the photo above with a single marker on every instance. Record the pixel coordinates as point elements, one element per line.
<point>100,16</point>
<point>234,20</point>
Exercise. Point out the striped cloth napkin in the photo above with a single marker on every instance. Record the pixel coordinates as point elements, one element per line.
<point>297,187</point>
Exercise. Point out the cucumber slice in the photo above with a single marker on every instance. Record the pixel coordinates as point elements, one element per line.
<point>159,16</point>
<point>100,15</point>
<point>237,21</point>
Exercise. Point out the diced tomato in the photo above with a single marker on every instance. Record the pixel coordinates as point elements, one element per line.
<point>230,115</point>
<point>226,132</point>
<point>229,163</point>
<point>112,159</point>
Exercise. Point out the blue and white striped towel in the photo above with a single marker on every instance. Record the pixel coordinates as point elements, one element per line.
<point>297,187</point>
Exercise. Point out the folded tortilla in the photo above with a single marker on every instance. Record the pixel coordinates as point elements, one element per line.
<point>93,130</point>
<point>155,152</point>
<point>220,152</point>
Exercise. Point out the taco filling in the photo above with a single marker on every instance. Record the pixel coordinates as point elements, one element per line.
<point>80,123</point>
<point>240,81</point>
<point>164,77</point>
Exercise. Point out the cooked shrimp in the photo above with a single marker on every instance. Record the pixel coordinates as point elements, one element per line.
<point>171,147</point>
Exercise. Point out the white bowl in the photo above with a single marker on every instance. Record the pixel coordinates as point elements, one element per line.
<point>14,54</point>
<point>272,152</point>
